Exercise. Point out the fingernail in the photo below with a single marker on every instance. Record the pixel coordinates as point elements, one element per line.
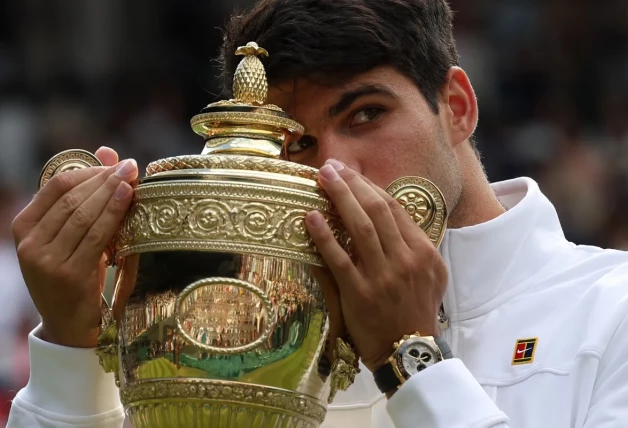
<point>122,191</point>
<point>314,219</point>
<point>338,166</point>
<point>329,173</point>
<point>126,169</point>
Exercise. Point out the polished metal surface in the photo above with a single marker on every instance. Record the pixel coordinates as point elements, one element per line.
<point>198,325</point>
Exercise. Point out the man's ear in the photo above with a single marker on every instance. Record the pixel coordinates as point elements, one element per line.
<point>460,106</point>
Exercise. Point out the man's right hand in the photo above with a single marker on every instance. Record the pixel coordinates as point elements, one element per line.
<point>61,237</point>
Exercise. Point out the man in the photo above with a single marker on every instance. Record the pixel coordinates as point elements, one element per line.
<point>537,325</point>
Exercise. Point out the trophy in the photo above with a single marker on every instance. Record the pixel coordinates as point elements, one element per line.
<point>215,318</point>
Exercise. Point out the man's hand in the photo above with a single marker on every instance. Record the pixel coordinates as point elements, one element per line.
<point>397,281</point>
<point>61,237</point>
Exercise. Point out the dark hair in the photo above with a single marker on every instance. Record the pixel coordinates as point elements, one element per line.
<point>336,39</point>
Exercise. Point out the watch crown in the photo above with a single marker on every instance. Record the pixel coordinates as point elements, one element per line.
<point>396,346</point>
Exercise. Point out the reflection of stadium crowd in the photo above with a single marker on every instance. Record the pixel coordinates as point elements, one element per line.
<point>550,77</point>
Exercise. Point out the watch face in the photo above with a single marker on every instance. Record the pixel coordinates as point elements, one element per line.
<point>415,355</point>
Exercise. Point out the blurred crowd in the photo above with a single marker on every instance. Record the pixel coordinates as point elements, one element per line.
<point>551,77</point>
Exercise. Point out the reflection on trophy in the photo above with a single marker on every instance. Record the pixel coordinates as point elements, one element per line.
<point>216,319</point>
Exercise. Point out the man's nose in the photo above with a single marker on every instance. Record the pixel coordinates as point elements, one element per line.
<point>331,149</point>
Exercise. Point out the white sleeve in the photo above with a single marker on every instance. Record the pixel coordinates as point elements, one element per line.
<point>67,389</point>
<point>445,395</point>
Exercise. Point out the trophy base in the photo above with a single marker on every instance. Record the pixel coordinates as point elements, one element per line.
<point>191,403</point>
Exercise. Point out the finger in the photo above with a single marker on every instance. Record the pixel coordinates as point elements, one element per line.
<point>362,231</point>
<point>107,156</point>
<point>377,207</point>
<point>411,233</point>
<point>48,196</point>
<point>337,327</point>
<point>70,206</point>
<point>102,232</point>
<point>80,223</point>
<point>337,260</point>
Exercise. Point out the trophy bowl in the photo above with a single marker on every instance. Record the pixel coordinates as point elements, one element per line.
<point>216,319</point>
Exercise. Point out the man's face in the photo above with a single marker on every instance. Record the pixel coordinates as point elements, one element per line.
<point>377,123</point>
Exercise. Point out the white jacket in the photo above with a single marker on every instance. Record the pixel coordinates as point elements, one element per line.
<point>515,277</point>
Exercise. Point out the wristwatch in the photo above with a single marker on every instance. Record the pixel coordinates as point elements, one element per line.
<point>412,354</point>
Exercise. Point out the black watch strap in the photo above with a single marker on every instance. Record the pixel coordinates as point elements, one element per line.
<point>445,350</point>
<point>386,379</point>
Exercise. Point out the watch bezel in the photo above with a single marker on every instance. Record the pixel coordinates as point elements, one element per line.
<point>396,359</point>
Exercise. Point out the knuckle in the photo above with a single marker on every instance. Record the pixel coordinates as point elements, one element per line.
<point>62,182</point>
<point>407,264</point>
<point>25,251</point>
<point>80,218</point>
<point>376,207</point>
<point>343,263</point>
<point>65,272</point>
<point>17,227</point>
<point>366,229</point>
<point>69,202</point>
<point>393,204</point>
<point>94,237</point>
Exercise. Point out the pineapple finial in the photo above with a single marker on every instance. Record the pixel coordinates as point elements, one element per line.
<point>249,83</point>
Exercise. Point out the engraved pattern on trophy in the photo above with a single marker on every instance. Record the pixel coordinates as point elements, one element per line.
<point>263,406</point>
<point>67,161</point>
<point>418,205</point>
<point>231,162</point>
<point>424,202</point>
<point>226,217</point>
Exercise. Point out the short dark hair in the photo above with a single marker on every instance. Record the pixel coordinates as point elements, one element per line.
<point>336,39</point>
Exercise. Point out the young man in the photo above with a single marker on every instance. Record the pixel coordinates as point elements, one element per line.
<point>537,325</point>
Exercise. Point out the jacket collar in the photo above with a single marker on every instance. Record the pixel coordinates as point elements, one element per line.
<point>491,262</point>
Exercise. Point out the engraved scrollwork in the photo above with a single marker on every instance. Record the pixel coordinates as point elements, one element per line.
<point>134,226</point>
<point>148,400</point>
<point>224,217</point>
<point>209,219</point>
<point>294,231</point>
<point>166,217</point>
<point>257,221</point>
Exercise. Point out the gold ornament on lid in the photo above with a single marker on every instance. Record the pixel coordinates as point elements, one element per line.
<point>249,83</point>
<point>215,318</point>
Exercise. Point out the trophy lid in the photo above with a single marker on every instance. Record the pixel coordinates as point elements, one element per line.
<point>243,133</point>
<point>246,124</point>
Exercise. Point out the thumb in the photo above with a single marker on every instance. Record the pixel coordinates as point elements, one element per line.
<point>107,156</point>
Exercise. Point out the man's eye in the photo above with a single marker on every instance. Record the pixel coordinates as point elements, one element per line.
<point>303,144</point>
<point>365,116</point>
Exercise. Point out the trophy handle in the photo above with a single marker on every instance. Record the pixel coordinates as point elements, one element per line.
<point>424,202</point>
<point>107,348</point>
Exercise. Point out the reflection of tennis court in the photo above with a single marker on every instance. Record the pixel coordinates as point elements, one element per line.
<point>161,368</point>
<point>288,372</point>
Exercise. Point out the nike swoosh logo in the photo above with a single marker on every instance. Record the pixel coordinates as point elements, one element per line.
<point>521,352</point>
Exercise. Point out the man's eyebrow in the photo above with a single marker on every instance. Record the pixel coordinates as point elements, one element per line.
<point>349,97</point>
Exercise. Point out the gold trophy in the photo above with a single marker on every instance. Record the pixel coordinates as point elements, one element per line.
<point>216,319</point>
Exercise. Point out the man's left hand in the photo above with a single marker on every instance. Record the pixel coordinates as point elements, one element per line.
<point>396,282</point>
